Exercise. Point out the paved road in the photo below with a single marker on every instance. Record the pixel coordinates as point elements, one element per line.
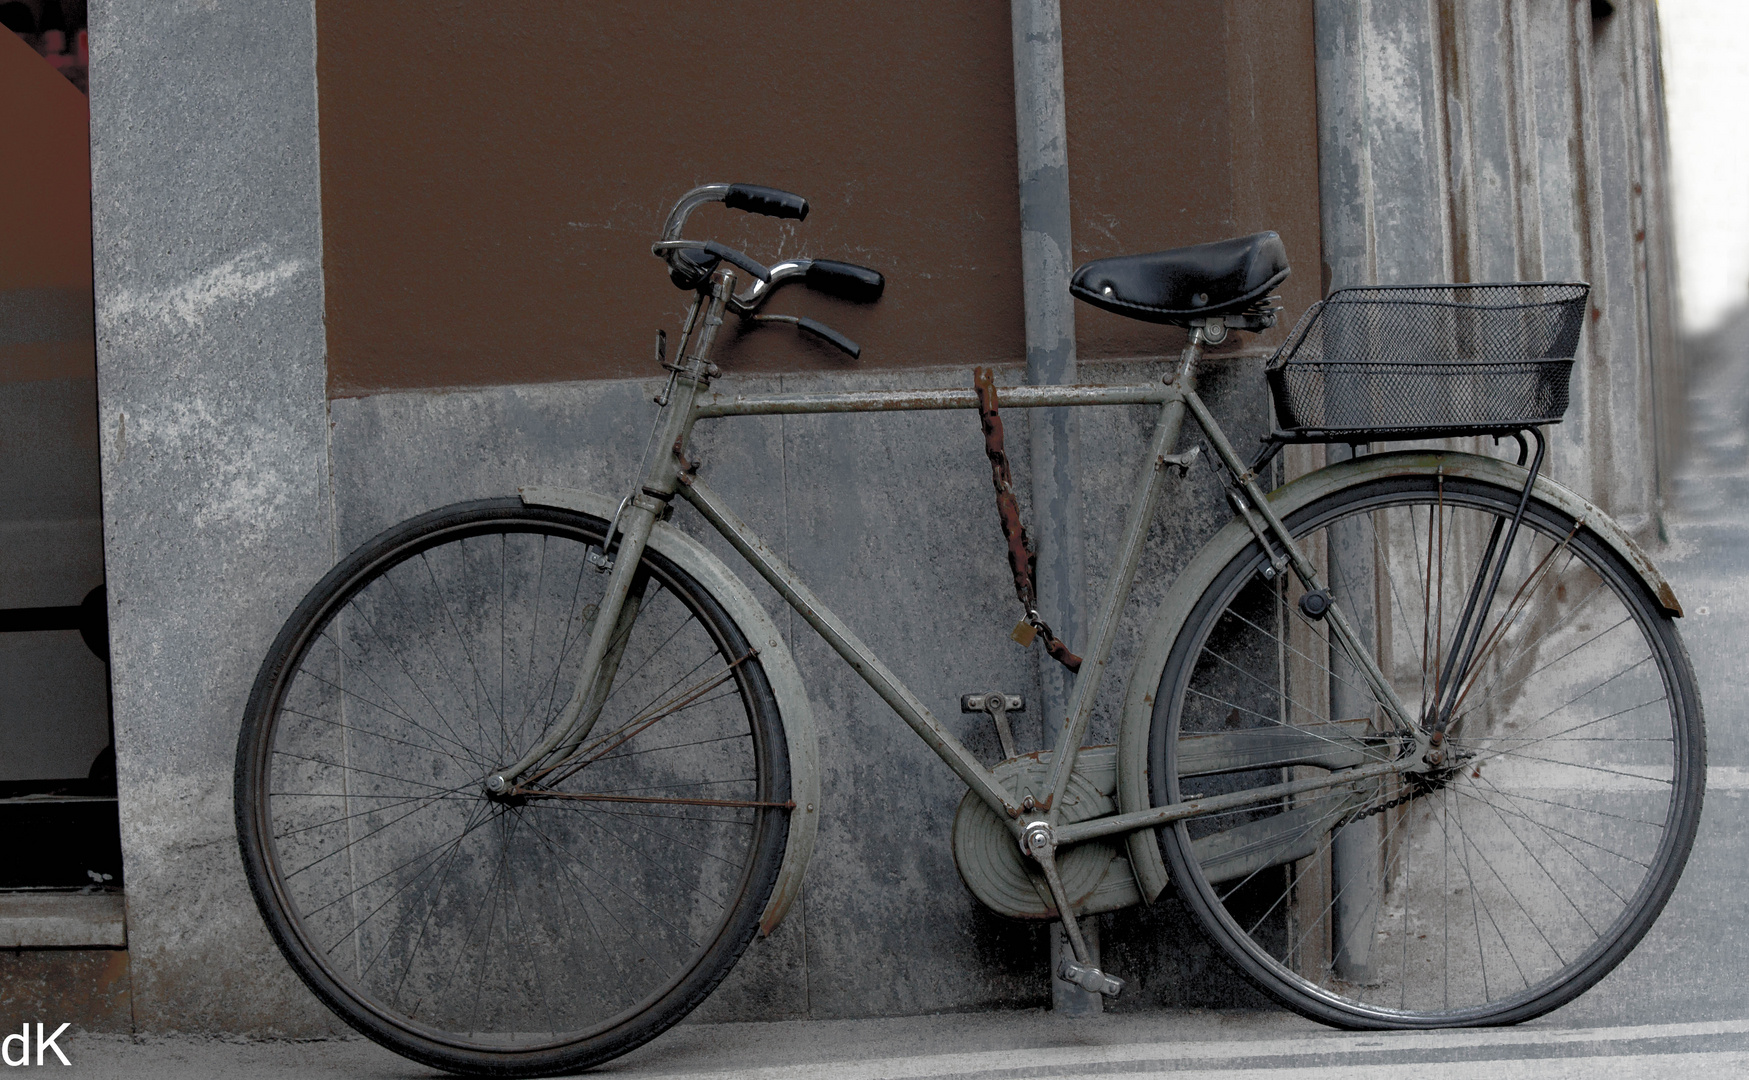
<point>1692,966</point>
<point>1678,1007</point>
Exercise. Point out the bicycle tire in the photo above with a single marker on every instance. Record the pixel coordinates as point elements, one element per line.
<point>507,938</point>
<point>1557,828</point>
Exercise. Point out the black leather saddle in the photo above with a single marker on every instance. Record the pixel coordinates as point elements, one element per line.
<point>1196,282</point>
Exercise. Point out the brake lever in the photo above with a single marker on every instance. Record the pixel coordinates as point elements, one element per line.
<point>711,247</point>
<point>846,281</point>
<point>758,291</point>
<point>818,329</point>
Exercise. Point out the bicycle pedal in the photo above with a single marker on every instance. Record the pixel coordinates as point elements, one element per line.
<point>998,705</point>
<point>1090,979</point>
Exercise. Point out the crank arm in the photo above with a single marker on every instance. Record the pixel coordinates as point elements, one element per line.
<point>1038,841</point>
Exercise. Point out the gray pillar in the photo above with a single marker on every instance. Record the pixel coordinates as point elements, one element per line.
<point>1042,143</point>
<point>1383,211</point>
<point>211,366</point>
<point>1045,253</point>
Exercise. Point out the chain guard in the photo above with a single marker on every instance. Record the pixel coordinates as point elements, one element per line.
<point>1006,881</point>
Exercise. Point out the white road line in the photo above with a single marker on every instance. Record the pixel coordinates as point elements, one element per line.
<point>1171,1058</point>
<point>1727,778</point>
<point>1703,1066</point>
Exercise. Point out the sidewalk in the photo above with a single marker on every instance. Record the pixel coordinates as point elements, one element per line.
<point>988,1046</point>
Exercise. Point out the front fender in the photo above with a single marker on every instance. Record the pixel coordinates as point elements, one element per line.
<point>1138,708</point>
<point>780,671</point>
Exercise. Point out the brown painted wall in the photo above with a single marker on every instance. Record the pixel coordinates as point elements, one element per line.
<point>1190,122</point>
<point>45,185</point>
<point>492,177</point>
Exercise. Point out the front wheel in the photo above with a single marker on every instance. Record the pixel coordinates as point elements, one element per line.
<point>512,936</point>
<point>1512,877</point>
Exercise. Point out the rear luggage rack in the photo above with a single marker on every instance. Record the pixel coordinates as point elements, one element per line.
<point>1427,361</point>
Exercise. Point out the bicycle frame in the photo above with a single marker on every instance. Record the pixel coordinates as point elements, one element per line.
<point>1173,403</point>
<point>687,401</point>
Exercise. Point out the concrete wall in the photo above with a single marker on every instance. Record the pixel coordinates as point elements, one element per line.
<point>230,484</point>
<point>1497,141</point>
<point>213,434</point>
<point>890,519</point>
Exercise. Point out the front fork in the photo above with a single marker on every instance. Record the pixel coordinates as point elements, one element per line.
<point>637,518</point>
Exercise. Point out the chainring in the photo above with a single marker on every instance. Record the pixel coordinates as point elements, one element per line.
<point>990,860</point>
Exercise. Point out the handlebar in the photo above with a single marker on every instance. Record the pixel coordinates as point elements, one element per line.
<point>749,197</point>
<point>711,247</point>
<point>847,281</point>
<point>691,262</point>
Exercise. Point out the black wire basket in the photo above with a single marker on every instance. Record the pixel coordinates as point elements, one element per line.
<point>1426,361</point>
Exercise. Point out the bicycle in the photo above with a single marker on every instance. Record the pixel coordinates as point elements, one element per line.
<point>1413,736</point>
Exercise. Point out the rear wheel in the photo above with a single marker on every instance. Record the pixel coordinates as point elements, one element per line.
<point>512,937</point>
<point>1503,884</point>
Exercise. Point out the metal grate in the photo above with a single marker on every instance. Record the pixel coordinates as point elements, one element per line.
<point>1428,360</point>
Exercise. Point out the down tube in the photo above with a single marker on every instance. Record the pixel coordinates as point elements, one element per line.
<point>849,646</point>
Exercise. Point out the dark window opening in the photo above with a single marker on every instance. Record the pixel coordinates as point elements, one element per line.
<point>56,30</point>
<point>59,827</point>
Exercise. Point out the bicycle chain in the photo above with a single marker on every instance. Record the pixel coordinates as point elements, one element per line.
<point>1415,792</point>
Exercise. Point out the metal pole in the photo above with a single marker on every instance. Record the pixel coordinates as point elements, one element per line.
<point>1356,851</point>
<point>1041,139</point>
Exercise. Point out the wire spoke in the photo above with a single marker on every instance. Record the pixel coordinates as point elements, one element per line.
<point>401,712</point>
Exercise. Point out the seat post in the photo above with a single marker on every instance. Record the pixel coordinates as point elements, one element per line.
<point>1185,377</point>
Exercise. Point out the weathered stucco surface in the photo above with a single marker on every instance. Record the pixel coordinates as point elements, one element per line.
<point>1498,141</point>
<point>211,421</point>
<point>890,519</point>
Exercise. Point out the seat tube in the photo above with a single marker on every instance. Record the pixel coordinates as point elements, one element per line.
<point>1340,625</point>
<point>1161,456</point>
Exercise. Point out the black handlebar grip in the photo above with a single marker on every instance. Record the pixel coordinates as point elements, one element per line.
<point>764,200</point>
<point>831,336</point>
<point>847,281</point>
